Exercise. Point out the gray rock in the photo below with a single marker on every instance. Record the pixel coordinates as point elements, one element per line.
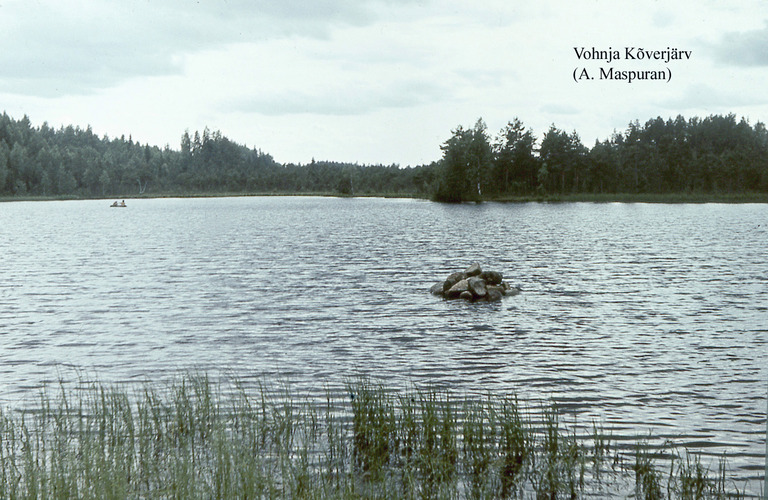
<point>492,277</point>
<point>497,288</point>
<point>437,289</point>
<point>473,270</point>
<point>476,286</point>
<point>452,280</point>
<point>457,289</point>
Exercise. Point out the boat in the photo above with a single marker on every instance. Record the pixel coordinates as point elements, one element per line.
<point>118,205</point>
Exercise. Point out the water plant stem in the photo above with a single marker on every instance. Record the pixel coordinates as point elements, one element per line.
<point>199,439</point>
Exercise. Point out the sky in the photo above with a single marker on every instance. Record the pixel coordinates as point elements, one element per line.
<point>374,81</point>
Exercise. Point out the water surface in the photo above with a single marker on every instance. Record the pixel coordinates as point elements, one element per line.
<point>645,317</point>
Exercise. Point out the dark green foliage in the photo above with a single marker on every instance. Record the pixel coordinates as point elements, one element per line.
<point>515,168</point>
<point>466,165</point>
<point>715,155</point>
<point>74,162</point>
<point>563,162</point>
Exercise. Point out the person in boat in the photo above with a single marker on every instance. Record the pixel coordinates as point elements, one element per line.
<point>122,204</point>
<point>114,204</point>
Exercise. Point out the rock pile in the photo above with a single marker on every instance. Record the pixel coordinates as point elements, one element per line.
<point>474,284</point>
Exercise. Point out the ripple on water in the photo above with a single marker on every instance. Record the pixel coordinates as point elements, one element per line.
<point>643,317</point>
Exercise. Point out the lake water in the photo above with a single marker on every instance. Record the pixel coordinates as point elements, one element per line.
<point>645,317</point>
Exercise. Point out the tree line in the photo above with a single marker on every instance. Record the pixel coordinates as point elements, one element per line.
<point>717,154</point>
<point>71,161</point>
<point>713,155</point>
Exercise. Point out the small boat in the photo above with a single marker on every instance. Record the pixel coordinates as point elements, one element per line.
<point>118,205</point>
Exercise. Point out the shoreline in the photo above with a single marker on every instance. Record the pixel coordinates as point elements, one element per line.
<point>696,198</point>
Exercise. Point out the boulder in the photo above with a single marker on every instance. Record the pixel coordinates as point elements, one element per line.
<point>452,280</point>
<point>497,288</point>
<point>494,294</point>
<point>455,290</point>
<point>476,286</point>
<point>473,270</point>
<point>492,277</point>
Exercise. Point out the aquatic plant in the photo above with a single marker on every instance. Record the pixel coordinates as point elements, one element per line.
<point>200,439</point>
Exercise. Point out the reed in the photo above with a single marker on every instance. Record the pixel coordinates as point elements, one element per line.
<point>200,439</point>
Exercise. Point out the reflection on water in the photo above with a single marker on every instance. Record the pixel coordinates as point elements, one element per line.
<point>644,317</point>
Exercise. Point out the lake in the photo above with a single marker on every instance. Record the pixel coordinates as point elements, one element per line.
<point>644,317</point>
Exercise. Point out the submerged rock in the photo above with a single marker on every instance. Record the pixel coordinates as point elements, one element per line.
<point>474,284</point>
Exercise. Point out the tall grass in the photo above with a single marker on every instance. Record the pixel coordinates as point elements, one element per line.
<point>199,439</point>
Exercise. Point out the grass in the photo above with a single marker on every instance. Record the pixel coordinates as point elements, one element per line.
<point>199,439</point>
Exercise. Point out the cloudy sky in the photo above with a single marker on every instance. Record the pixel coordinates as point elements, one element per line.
<point>371,81</point>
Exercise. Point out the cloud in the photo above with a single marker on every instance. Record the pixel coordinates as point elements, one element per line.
<point>335,69</point>
<point>339,100</point>
<point>68,49</point>
<point>745,48</point>
<point>560,109</point>
<point>705,96</point>
<point>55,48</point>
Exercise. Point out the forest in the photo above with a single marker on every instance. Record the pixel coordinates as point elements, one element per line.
<point>714,155</point>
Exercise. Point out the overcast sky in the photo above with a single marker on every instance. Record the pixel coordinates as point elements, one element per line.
<point>371,81</point>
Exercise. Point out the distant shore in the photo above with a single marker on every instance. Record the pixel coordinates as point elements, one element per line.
<point>549,198</point>
<point>645,198</point>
